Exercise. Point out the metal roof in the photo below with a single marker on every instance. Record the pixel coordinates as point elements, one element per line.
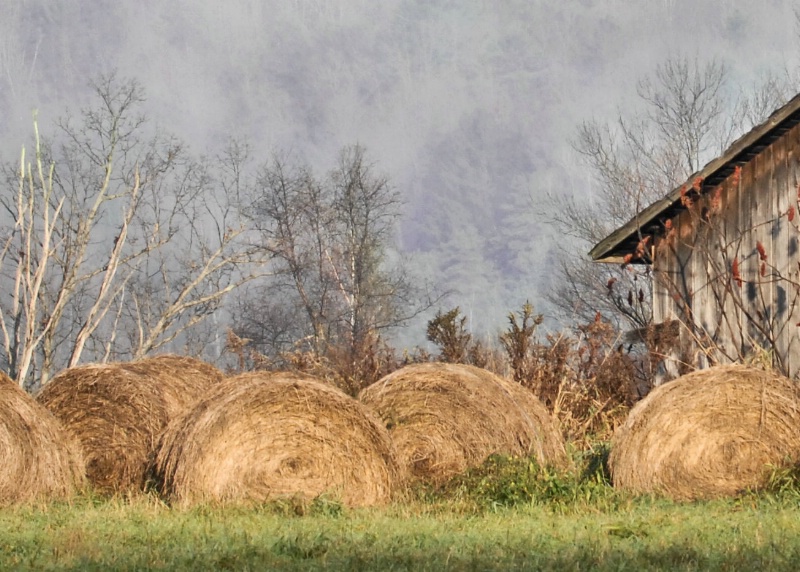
<point>651,220</point>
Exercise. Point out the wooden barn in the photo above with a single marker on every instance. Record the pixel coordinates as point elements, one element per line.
<point>725,252</point>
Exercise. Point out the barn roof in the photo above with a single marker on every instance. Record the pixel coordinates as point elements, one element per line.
<point>651,220</point>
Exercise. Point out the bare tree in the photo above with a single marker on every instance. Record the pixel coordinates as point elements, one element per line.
<point>332,285</point>
<point>290,211</point>
<point>365,209</point>
<point>689,113</point>
<point>104,208</point>
<point>207,252</point>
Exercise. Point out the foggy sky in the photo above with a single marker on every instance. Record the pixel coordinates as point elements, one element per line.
<point>468,107</point>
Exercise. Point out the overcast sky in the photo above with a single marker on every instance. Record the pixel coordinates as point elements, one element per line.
<point>468,107</point>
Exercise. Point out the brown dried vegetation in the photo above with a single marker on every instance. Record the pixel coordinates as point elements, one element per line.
<point>588,381</point>
<point>338,366</point>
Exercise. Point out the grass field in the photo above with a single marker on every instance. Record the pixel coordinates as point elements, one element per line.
<point>751,533</point>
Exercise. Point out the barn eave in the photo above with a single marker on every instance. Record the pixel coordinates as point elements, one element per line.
<point>651,220</point>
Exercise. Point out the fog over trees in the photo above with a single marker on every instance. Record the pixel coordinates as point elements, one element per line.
<point>470,109</point>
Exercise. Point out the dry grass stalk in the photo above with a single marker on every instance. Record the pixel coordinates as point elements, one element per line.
<point>259,436</point>
<point>39,460</point>
<point>711,433</point>
<point>446,418</point>
<point>587,381</point>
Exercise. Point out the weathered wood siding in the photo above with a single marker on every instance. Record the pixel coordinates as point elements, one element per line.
<point>728,320</point>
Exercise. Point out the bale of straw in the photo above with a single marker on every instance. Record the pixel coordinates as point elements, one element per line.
<point>116,415</point>
<point>711,433</point>
<point>39,461</point>
<point>118,411</point>
<point>445,418</point>
<point>260,436</point>
<point>181,380</point>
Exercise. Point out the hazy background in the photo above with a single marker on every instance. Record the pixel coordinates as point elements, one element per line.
<point>468,106</point>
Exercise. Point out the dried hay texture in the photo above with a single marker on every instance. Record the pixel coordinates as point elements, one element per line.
<point>446,418</point>
<point>39,460</point>
<point>260,436</point>
<point>708,434</point>
<point>181,380</point>
<point>118,411</point>
<point>116,414</point>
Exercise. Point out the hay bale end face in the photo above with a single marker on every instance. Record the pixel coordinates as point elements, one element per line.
<point>446,418</point>
<point>712,433</point>
<point>116,414</point>
<point>261,436</point>
<point>39,460</point>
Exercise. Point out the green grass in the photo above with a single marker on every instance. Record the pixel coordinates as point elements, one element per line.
<point>638,534</point>
<point>508,514</point>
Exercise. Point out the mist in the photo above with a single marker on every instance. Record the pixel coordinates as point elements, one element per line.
<point>468,107</point>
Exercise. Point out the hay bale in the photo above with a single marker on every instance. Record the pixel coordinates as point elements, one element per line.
<point>39,460</point>
<point>118,411</point>
<point>260,436</point>
<point>445,418</point>
<point>116,414</point>
<point>708,434</point>
<point>181,380</point>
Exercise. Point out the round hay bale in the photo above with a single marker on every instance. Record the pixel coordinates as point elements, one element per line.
<point>39,460</point>
<point>116,414</point>
<point>708,434</point>
<point>181,380</point>
<point>260,436</point>
<point>445,418</point>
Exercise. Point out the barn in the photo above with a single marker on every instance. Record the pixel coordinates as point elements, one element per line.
<point>724,252</point>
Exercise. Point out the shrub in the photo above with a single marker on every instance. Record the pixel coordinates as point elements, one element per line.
<point>505,481</point>
<point>586,380</point>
